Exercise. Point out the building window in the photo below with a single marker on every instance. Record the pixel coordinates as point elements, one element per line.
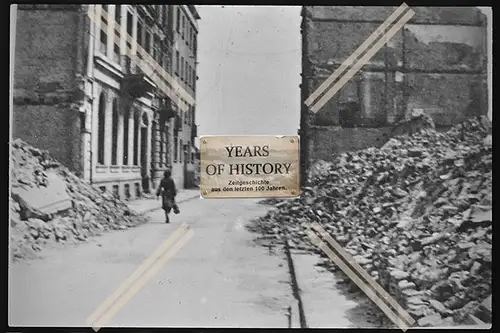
<point>177,63</point>
<point>183,26</point>
<point>190,76</point>
<point>182,68</point>
<point>116,51</point>
<point>129,23</point>
<point>140,41</point>
<point>178,20</point>
<point>137,125</point>
<point>165,16</point>
<point>156,51</point>
<point>188,33</point>
<point>101,128</point>
<point>165,62</point>
<point>118,14</point>
<point>176,147</point>
<point>114,135</point>
<point>104,42</point>
<point>147,47</point>
<point>192,38</point>
<point>126,118</point>
<point>181,151</point>
<point>105,8</point>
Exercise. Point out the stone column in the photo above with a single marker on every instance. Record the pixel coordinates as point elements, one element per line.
<point>131,125</point>
<point>119,144</point>
<point>111,31</point>
<point>108,131</point>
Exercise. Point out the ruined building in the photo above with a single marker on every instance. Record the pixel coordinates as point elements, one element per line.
<point>109,90</point>
<point>437,63</point>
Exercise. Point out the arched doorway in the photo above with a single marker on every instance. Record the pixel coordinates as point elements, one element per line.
<point>144,153</point>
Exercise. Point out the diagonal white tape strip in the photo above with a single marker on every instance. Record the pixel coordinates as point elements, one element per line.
<point>357,268</point>
<point>353,276</point>
<point>136,274</point>
<point>142,281</point>
<point>368,55</point>
<point>362,48</point>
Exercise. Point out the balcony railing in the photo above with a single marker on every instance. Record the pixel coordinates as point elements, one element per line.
<point>136,85</point>
<point>166,111</point>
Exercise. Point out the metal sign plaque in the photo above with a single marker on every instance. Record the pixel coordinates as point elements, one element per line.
<point>261,166</point>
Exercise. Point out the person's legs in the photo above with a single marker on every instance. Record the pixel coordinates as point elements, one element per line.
<point>167,211</point>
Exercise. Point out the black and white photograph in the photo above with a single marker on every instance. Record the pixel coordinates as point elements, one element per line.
<point>388,115</point>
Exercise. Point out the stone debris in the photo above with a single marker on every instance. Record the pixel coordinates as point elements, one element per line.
<point>418,211</point>
<point>37,222</point>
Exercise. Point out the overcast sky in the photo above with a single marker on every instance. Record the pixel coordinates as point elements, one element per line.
<point>250,65</point>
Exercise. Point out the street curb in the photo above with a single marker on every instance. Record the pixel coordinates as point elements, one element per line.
<point>298,318</point>
<point>159,208</point>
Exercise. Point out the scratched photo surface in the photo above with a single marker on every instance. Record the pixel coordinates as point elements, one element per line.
<point>250,166</point>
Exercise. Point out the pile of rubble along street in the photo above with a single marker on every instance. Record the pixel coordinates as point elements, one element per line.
<point>90,211</point>
<point>416,214</point>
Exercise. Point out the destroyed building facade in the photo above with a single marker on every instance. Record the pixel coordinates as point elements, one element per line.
<point>436,63</point>
<point>109,90</point>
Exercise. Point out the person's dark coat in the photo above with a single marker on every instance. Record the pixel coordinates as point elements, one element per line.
<point>168,192</point>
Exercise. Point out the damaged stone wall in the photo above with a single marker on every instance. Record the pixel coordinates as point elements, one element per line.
<point>48,85</point>
<point>437,62</point>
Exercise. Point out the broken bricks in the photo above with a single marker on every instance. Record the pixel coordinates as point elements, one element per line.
<point>354,190</point>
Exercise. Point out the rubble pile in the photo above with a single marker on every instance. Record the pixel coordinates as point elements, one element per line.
<point>89,212</point>
<point>416,214</point>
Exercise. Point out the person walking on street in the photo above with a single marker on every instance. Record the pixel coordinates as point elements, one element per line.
<point>168,192</point>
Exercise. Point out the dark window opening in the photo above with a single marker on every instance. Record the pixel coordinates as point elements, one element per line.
<point>101,129</point>
<point>104,42</point>
<point>114,137</point>
<point>178,21</point>
<point>176,147</point>
<point>127,191</point>
<point>126,118</point>
<point>129,23</point>
<point>183,26</point>
<point>182,68</point>
<point>118,14</point>
<point>181,150</point>
<point>140,40</point>
<point>136,139</point>
<point>116,191</point>
<point>147,47</point>
<point>177,63</point>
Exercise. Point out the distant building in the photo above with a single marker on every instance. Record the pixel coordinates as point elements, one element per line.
<point>437,62</point>
<point>95,85</point>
